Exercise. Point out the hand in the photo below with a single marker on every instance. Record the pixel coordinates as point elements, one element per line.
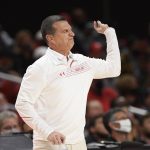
<point>100,27</point>
<point>56,138</point>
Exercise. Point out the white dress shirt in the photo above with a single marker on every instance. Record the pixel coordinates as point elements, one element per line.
<point>54,90</point>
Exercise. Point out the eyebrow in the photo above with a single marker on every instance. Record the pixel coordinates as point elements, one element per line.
<point>68,28</point>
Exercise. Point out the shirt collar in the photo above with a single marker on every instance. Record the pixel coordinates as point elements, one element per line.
<point>58,57</point>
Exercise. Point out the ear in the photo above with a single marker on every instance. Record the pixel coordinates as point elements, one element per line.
<point>113,126</point>
<point>50,38</point>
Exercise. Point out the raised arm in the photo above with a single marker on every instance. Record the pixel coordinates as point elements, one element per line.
<point>111,67</point>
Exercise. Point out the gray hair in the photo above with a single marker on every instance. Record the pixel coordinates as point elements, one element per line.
<point>5,115</point>
<point>47,25</point>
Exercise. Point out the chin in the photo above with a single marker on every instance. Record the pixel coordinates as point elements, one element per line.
<point>71,45</point>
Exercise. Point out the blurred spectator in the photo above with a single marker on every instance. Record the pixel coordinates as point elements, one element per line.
<point>79,19</point>
<point>5,40</point>
<point>96,87</point>
<point>24,41</point>
<point>23,50</point>
<point>117,124</point>
<point>119,102</point>
<point>10,90</point>
<point>145,128</point>
<point>126,63</point>
<point>108,94</point>
<point>9,123</point>
<point>94,108</point>
<point>27,131</point>
<point>128,86</point>
<point>141,52</point>
<point>96,50</point>
<point>147,101</point>
<point>134,135</point>
<point>96,130</point>
<point>4,105</point>
<point>66,16</point>
<point>39,39</point>
<point>41,46</point>
<point>26,128</point>
<point>123,83</point>
<point>39,51</point>
<point>7,62</point>
<point>105,95</point>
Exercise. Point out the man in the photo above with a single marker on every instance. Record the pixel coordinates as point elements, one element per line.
<point>118,125</point>
<point>53,93</point>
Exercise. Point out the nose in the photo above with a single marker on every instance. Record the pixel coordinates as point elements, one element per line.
<point>72,33</point>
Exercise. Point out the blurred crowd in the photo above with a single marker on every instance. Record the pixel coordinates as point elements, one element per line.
<point>118,109</point>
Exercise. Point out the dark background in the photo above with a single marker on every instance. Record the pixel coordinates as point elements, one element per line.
<point>127,16</point>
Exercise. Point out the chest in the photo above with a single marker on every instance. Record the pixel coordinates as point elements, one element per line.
<point>75,74</point>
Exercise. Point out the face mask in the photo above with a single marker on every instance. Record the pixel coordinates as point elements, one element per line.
<point>125,125</point>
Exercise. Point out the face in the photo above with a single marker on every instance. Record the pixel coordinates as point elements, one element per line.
<point>94,109</point>
<point>63,38</point>
<point>10,125</point>
<point>24,38</point>
<point>118,116</point>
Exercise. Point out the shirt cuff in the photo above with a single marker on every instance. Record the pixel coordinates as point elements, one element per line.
<point>109,29</point>
<point>47,133</point>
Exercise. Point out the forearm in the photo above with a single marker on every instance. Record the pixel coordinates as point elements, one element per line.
<point>111,67</point>
<point>113,54</point>
<point>29,115</point>
<point>32,84</point>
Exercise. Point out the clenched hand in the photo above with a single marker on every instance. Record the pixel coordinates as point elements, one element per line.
<point>100,27</point>
<point>56,138</point>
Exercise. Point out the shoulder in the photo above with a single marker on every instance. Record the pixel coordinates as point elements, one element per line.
<point>80,57</point>
<point>41,61</point>
<point>83,58</point>
<point>41,65</point>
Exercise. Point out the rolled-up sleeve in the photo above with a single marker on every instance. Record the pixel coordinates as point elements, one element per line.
<point>111,67</point>
<point>32,84</point>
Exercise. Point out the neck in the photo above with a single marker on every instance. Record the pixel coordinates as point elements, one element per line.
<point>119,137</point>
<point>61,51</point>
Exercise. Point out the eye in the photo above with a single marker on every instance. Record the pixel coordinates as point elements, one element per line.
<point>66,30</point>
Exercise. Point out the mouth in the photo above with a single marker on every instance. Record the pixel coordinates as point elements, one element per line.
<point>71,39</point>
